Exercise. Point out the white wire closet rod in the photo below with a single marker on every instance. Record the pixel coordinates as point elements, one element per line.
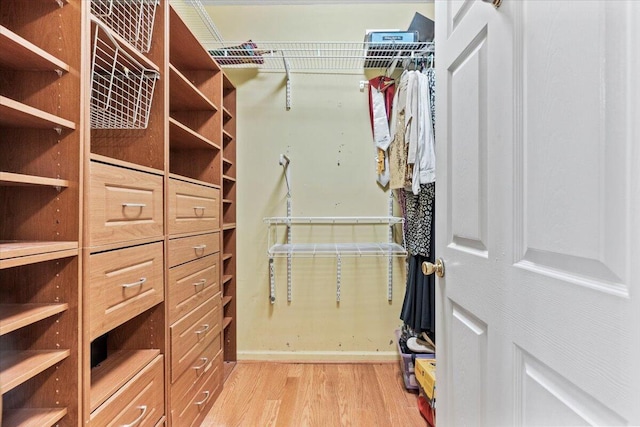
<point>338,220</point>
<point>315,55</point>
<point>335,249</point>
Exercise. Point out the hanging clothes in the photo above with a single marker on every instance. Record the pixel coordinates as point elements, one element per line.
<point>417,199</point>
<point>381,94</point>
<point>419,214</point>
<point>430,72</point>
<point>421,137</point>
<point>398,169</point>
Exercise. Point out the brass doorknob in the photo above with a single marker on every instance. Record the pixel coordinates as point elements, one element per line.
<point>496,3</point>
<point>429,268</point>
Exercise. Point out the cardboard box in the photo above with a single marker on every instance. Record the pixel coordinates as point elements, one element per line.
<point>392,37</point>
<point>425,371</point>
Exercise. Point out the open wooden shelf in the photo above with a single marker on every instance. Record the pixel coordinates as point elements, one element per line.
<point>186,52</point>
<point>184,95</point>
<point>226,256</point>
<point>16,179</point>
<point>17,114</point>
<point>23,248</point>
<point>115,371</point>
<point>185,138</point>
<point>16,367</point>
<point>226,300</point>
<point>226,136</point>
<point>193,181</point>
<point>16,316</point>
<point>229,226</point>
<point>227,161</point>
<point>227,201</point>
<point>228,178</point>
<point>32,417</point>
<point>20,54</point>
<point>226,278</point>
<point>226,114</point>
<point>226,322</point>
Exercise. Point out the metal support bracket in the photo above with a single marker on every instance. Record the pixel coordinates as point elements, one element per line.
<point>272,282</point>
<point>286,69</point>
<point>338,277</point>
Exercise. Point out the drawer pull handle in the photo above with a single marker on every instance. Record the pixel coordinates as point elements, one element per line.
<point>199,208</point>
<point>200,282</point>
<point>134,284</point>
<point>205,360</point>
<point>204,329</point>
<point>203,401</point>
<point>143,408</point>
<point>134,205</point>
<point>200,247</point>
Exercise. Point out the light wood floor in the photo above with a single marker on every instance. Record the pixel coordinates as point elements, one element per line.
<point>322,395</point>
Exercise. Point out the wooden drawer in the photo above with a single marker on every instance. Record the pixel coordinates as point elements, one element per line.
<point>192,334</point>
<point>193,208</point>
<point>139,402</point>
<point>189,409</point>
<point>191,284</point>
<point>124,205</point>
<point>122,284</point>
<point>209,359</point>
<point>191,248</point>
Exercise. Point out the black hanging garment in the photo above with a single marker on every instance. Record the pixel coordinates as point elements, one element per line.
<point>418,309</point>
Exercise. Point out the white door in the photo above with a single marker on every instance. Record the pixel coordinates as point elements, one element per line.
<point>538,212</point>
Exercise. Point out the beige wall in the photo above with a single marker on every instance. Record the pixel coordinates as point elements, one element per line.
<point>327,136</point>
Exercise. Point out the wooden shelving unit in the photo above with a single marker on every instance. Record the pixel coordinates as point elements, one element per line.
<point>40,193</point>
<point>72,200</point>
<point>124,250</point>
<point>195,180</point>
<point>229,221</point>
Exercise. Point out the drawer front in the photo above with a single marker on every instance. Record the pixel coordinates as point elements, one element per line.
<point>193,208</point>
<point>209,359</point>
<point>123,283</point>
<point>189,410</point>
<point>139,402</point>
<point>192,284</point>
<point>191,248</point>
<point>192,334</point>
<point>124,205</point>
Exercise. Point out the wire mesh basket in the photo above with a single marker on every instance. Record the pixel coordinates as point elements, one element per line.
<point>121,88</point>
<point>130,19</point>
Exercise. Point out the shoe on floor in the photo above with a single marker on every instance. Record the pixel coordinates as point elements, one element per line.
<point>418,347</point>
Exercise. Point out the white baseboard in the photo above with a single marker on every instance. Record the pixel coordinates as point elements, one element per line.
<point>319,356</point>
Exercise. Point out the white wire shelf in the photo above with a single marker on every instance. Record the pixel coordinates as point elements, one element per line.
<point>351,249</point>
<point>315,55</point>
<point>337,220</point>
<point>295,56</point>
<point>335,249</point>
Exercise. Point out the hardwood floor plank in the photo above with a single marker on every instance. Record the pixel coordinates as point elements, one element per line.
<point>287,412</point>
<point>315,395</point>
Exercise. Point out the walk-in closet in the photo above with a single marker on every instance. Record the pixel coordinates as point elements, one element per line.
<point>223,213</point>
